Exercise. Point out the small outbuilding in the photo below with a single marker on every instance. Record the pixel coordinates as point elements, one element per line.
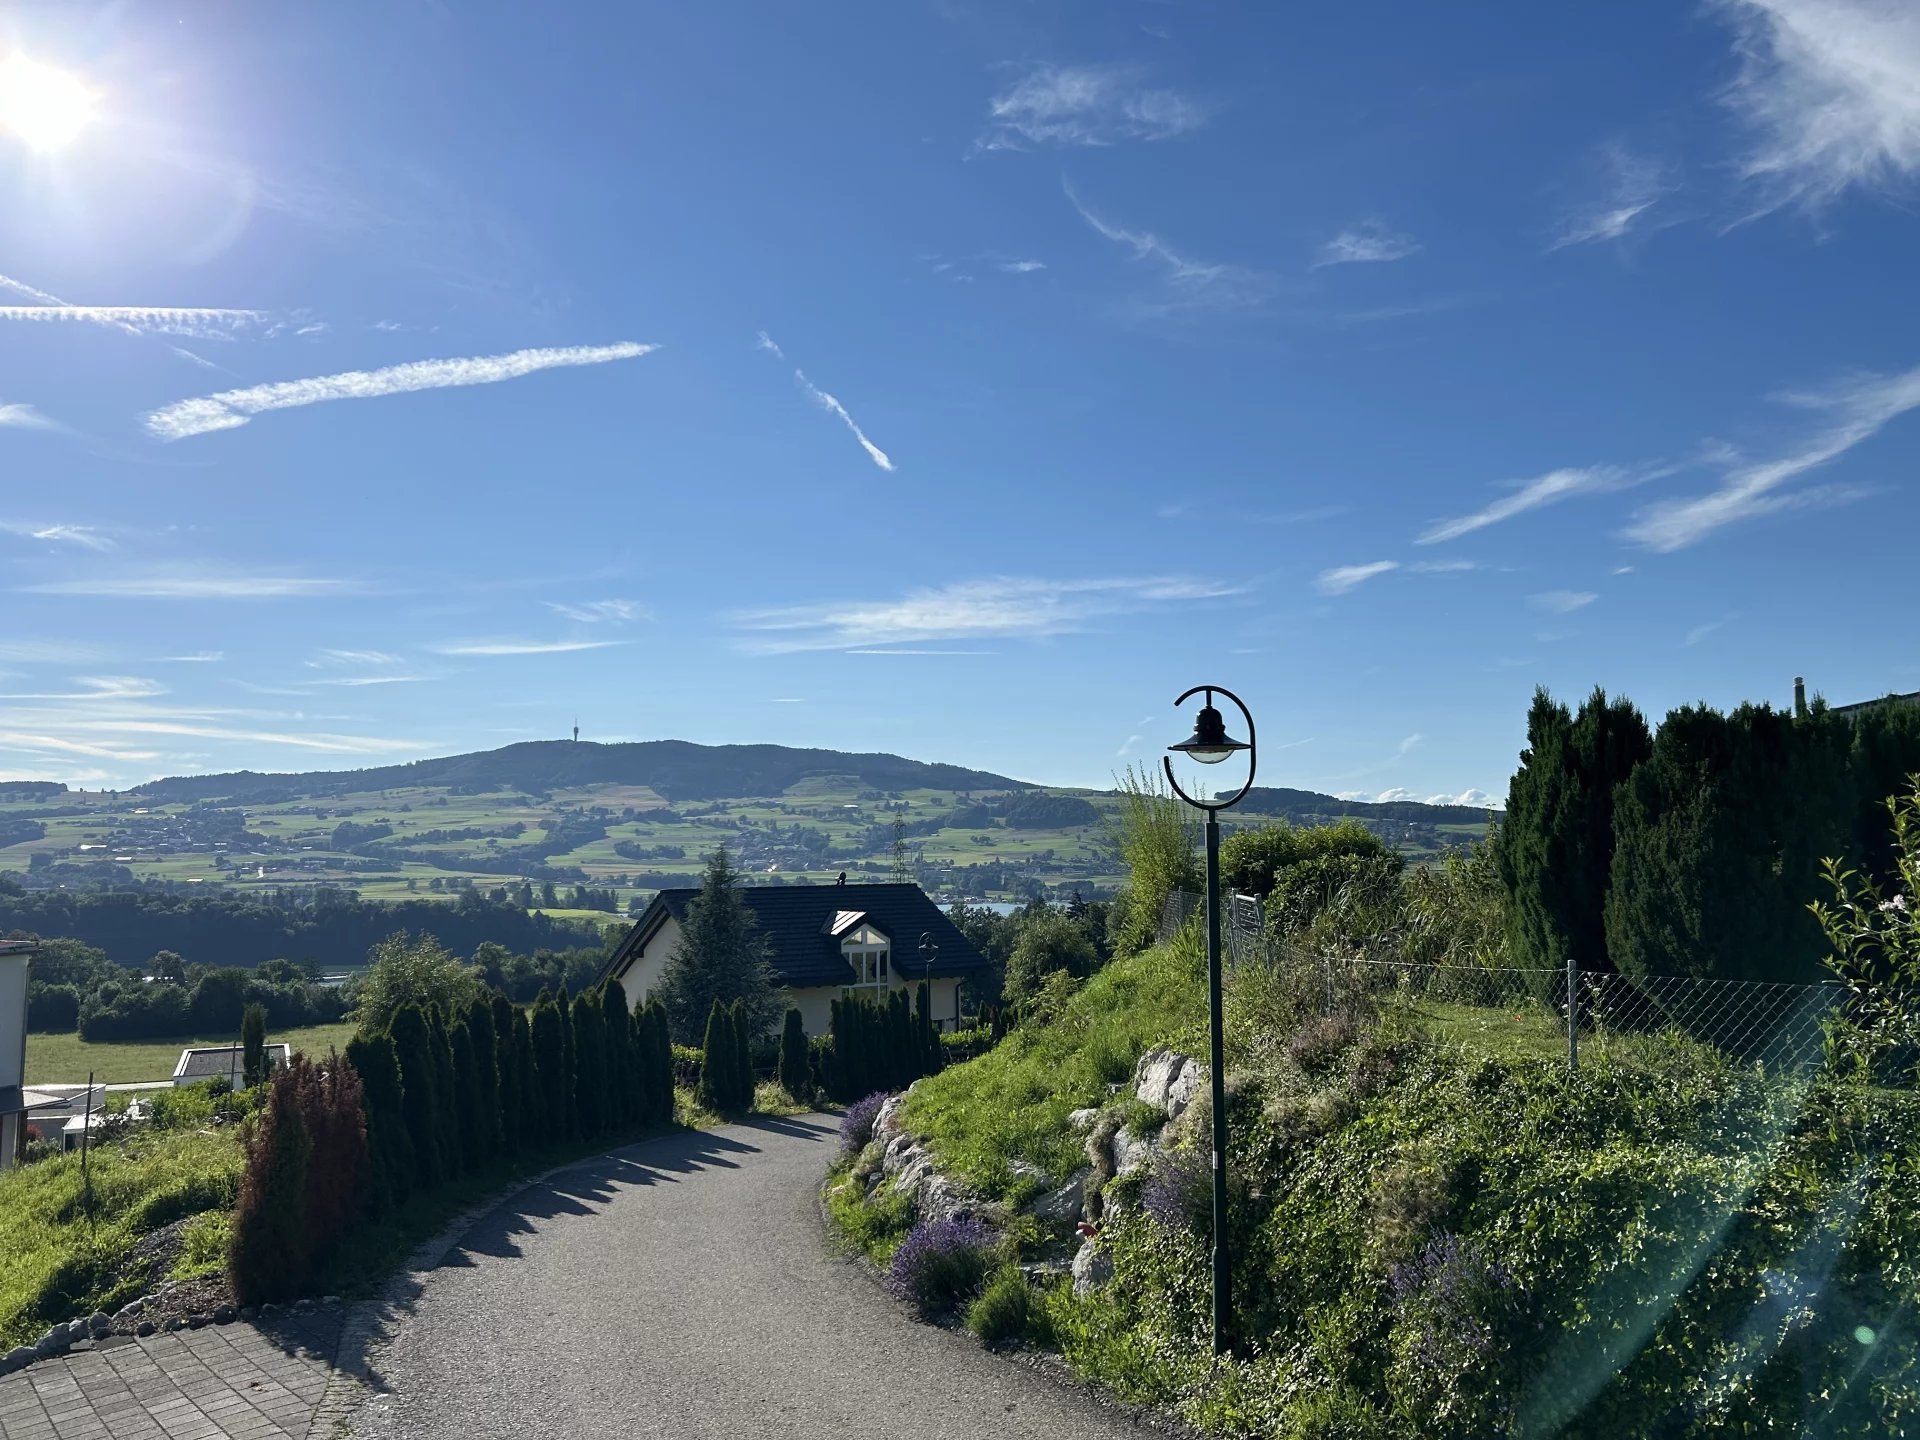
<point>202,1063</point>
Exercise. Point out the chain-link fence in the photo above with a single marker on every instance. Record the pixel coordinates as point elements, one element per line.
<point>1522,1013</point>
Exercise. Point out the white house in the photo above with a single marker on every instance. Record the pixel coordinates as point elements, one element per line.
<point>827,941</point>
<point>14,958</point>
<point>208,1062</point>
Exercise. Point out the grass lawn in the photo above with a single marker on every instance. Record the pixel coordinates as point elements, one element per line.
<point>66,1059</point>
<point>54,1264</point>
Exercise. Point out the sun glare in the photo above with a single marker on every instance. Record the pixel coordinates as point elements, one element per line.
<point>43,107</point>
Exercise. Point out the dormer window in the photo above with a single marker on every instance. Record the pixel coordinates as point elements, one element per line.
<point>870,954</point>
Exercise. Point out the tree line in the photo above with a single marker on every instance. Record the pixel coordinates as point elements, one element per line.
<point>1694,849</point>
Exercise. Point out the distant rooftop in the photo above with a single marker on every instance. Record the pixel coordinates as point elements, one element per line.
<point>207,1061</point>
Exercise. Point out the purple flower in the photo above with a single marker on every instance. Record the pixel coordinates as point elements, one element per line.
<point>1452,1292</point>
<point>856,1126</point>
<point>1179,1192</point>
<point>942,1263</point>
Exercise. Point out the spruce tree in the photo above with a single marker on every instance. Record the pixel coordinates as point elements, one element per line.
<point>506,1061</point>
<point>721,955</point>
<point>486,1078</point>
<point>420,1106</point>
<point>742,1057</point>
<point>589,1074</point>
<point>389,1150</point>
<point>718,1073</point>
<point>796,1069</point>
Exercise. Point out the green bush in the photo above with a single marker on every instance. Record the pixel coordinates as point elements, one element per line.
<point>796,1061</point>
<point>1007,1313</point>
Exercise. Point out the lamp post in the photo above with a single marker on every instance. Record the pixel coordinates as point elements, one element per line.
<point>1210,744</point>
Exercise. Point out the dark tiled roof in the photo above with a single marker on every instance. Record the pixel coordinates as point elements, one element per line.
<point>797,919</point>
<point>211,1060</point>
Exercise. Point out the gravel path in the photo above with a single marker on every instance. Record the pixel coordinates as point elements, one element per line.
<point>680,1288</point>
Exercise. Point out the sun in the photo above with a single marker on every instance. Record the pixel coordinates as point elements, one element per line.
<point>43,107</point>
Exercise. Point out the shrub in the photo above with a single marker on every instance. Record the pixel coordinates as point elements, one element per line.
<point>718,1072</point>
<point>253,1045</point>
<point>406,971</point>
<point>1178,1193</point>
<point>856,1125</point>
<point>270,1251</point>
<point>1007,1313</point>
<point>419,1106</point>
<point>743,1029</point>
<point>941,1264</point>
<point>390,1164</point>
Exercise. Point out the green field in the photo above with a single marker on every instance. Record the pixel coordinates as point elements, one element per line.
<point>66,1059</point>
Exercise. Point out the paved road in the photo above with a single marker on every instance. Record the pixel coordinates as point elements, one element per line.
<point>679,1288</point>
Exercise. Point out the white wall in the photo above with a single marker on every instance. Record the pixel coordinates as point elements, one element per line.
<point>645,972</point>
<point>13,1019</point>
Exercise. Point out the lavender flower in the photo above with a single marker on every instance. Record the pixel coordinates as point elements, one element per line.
<point>942,1263</point>
<point>1452,1292</point>
<point>856,1126</point>
<point>1179,1192</point>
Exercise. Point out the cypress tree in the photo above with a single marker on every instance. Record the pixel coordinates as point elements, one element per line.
<point>796,1068</point>
<point>550,1064</point>
<point>446,1096</point>
<point>662,1083</point>
<point>742,1057</point>
<point>527,1074</point>
<point>568,1118</point>
<point>589,1073</point>
<point>486,1075</point>
<point>1556,844</point>
<point>616,1056</point>
<point>420,1107</point>
<point>270,1247</point>
<point>389,1151</point>
<point>466,1081</point>
<point>718,1072</point>
<point>506,1063</point>
<point>253,1045</point>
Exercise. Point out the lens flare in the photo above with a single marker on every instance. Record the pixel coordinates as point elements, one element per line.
<point>43,107</point>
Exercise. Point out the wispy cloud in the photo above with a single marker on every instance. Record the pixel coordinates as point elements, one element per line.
<point>326,743</point>
<point>1562,602</point>
<point>330,658</point>
<point>231,408</point>
<point>1021,267</point>
<point>1442,567</point>
<point>49,652</point>
<point>1702,631</point>
<point>1630,186</point>
<point>828,403</point>
<point>1830,93</point>
<point>44,300</point>
<point>1342,578</point>
<point>96,688</point>
<point>594,612</point>
<point>1857,409</point>
<point>1369,242</point>
<point>997,608</point>
<point>85,536</point>
<point>197,657</point>
<point>1086,105</point>
<point>198,322</point>
<point>1192,282</point>
<point>197,585</point>
<point>519,647</point>
<point>1525,495</point>
<point>18,416</point>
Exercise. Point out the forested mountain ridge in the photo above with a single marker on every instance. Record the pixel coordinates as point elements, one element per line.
<point>672,769</point>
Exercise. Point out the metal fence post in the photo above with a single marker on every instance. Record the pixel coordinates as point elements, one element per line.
<point>1573,1014</point>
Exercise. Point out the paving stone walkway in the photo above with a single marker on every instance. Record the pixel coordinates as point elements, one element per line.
<point>248,1381</point>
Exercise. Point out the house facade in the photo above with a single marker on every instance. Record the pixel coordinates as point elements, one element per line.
<point>826,941</point>
<point>15,956</point>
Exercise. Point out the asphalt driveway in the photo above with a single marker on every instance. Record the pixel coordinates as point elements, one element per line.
<point>680,1288</point>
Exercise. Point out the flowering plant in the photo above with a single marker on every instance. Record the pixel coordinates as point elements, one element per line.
<point>856,1126</point>
<point>942,1263</point>
<point>1876,949</point>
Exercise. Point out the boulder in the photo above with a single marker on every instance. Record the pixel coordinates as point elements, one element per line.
<point>99,1323</point>
<point>1067,1204</point>
<point>1132,1150</point>
<point>15,1358</point>
<point>1082,1120</point>
<point>1092,1268</point>
<point>1155,1074</point>
<point>54,1342</point>
<point>1187,1087</point>
<point>145,1328</point>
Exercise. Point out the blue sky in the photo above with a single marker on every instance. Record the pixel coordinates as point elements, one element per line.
<point>961,380</point>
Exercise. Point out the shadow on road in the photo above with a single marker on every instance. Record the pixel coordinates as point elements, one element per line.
<point>579,1189</point>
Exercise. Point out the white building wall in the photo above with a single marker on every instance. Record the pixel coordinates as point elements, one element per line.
<point>13,1020</point>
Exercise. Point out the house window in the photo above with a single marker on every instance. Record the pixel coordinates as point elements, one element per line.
<point>870,954</point>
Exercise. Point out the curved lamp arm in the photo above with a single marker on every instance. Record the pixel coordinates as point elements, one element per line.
<point>1166,762</point>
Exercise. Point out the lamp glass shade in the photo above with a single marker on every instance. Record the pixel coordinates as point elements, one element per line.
<point>1209,743</point>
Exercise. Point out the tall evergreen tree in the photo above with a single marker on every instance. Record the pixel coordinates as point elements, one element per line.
<point>420,1106</point>
<point>550,1063</point>
<point>253,1045</point>
<point>616,1055</point>
<point>661,1086</point>
<point>1556,843</point>
<point>466,1082</point>
<point>796,1064</point>
<point>589,1072</point>
<point>486,1077</point>
<point>742,1056</point>
<point>389,1150</point>
<point>446,1094</point>
<point>568,1117</point>
<point>719,1074</point>
<point>506,1062</point>
<point>722,955</point>
<point>527,1072</point>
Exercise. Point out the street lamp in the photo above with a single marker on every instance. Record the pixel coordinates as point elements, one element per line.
<point>1210,744</point>
<point>929,957</point>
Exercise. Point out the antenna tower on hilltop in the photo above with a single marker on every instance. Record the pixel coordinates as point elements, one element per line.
<point>576,729</point>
